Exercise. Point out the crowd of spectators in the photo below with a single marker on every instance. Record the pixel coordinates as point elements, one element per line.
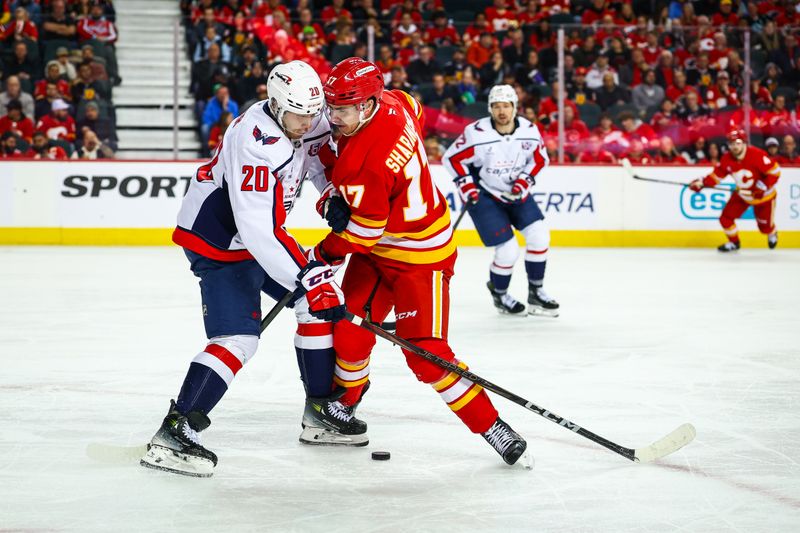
<point>654,81</point>
<point>58,67</point>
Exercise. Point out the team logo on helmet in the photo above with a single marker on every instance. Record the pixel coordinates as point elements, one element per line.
<point>284,78</point>
<point>265,139</point>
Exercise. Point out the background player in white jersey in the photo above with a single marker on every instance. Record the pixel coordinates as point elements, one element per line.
<point>231,227</point>
<point>494,164</point>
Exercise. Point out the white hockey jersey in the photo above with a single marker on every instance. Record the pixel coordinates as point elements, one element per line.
<point>237,203</point>
<point>500,158</point>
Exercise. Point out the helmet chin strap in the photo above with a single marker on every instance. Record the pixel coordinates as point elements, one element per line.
<point>362,121</point>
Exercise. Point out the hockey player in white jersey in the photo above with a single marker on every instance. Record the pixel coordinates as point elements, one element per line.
<point>231,228</point>
<point>494,163</point>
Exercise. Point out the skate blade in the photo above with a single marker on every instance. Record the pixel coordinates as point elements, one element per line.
<point>322,437</point>
<point>160,458</point>
<point>535,310</point>
<point>509,313</point>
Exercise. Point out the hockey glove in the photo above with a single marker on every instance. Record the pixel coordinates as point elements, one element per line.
<point>325,298</point>
<point>316,254</point>
<point>758,190</point>
<point>519,189</point>
<point>697,185</point>
<point>467,190</point>
<point>336,211</point>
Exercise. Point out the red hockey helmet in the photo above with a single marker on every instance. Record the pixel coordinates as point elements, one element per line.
<point>737,134</point>
<point>353,81</point>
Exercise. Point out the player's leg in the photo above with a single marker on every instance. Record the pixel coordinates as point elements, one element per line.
<point>494,228</point>
<point>427,292</point>
<point>765,218</point>
<point>727,219</point>
<point>529,220</point>
<point>231,311</point>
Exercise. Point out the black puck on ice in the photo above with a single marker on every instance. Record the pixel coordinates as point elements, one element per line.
<point>381,456</point>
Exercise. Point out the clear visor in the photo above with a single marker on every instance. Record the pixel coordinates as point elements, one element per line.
<point>297,124</point>
<point>344,115</point>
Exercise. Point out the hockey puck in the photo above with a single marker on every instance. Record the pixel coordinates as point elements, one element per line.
<point>381,456</point>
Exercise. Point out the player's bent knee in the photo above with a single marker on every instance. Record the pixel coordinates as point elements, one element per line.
<point>350,342</point>
<point>242,346</point>
<point>506,254</point>
<point>426,371</point>
<point>537,236</point>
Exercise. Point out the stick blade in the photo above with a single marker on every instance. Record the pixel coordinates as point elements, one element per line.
<point>111,454</point>
<point>673,442</point>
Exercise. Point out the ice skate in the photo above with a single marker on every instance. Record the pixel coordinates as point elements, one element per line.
<point>326,421</point>
<point>504,302</point>
<point>176,445</point>
<point>540,303</point>
<point>731,246</point>
<point>508,444</point>
<point>772,240</point>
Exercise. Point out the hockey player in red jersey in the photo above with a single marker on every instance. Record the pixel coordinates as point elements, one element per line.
<point>401,243</point>
<point>755,174</point>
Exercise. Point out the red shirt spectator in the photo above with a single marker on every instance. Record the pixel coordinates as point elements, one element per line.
<point>667,154</point>
<point>778,119</point>
<point>499,16</point>
<point>595,12</point>
<point>8,147</point>
<point>679,88</point>
<point>575,131</point>
<point>268,7</point>
<point>479,52</point>
<point>636,154</point>
<point>41,149</point>
<point>473,32</point>
<point>722,94</point>
<point>52,76</point>
<point>441,32</point>
<point>725,16</point>
<point>95,26</point>
<point>16,122</point>
<point>413,12</point>
<point>20,28</point>
<point>548,107</point>
<point>331,14</point>
<point>552,7</point>
<point>58,124</point>
<point>595,153</point>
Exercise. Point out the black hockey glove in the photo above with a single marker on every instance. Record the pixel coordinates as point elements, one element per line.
<point>336,211</point>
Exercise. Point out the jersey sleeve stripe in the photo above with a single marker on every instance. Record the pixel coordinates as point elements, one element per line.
<point>361,231</point>
<point>279,218</point>
<point>456,159</point>
<point>415,256</point>
<point>369,223</point>
<point>442,223</point>
<point>190,241</point>
<point>368,242</point>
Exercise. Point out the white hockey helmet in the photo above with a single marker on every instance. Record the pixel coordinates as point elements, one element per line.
<point>295,87</point>
<point>503,93</point>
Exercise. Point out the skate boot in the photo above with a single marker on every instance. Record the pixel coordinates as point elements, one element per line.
<point>540,303</point>
<point>508,443</point>
<point>731,246</point>
<point>327,421</point>
<point>504,302</point>
<point>176,445</point>
<point>772,241</point>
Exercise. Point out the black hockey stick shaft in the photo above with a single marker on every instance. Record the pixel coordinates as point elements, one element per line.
<point>670,182</point>
<point>460,216</point>
<point>627,453</point>
<point>276,309</point>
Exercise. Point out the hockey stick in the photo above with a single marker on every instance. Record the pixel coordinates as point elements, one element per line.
<point>276,309</point>
<point>676,440</point>
<point>629,168</point>
<point>460,215</point>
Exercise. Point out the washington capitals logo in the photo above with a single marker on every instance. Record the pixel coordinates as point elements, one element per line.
<point>284,78</point>
<point>265,139</point>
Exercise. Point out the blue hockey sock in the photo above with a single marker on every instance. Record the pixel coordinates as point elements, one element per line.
<point>535,270</point>
<point>500,282</point>
<point>316,359</point>
<point>202,389</point>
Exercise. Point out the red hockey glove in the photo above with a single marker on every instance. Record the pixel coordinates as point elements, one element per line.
<point>697,185</point>
<point>325,298</point>
<point>467,190</point>
<point>519,189</point>
<point>316,254</point>
<point>758,190</point>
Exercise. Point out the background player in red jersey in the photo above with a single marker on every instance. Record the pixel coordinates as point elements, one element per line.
<point>755,174</point>
<point>401,243</point>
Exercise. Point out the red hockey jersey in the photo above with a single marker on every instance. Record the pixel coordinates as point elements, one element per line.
<point>756,170</point>
<point>398,214</point>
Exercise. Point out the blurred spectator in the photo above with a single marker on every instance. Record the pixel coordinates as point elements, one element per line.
<point>208,20</point>
<point>96,26</point>
<point>493,72</point>
<point>403,31</point>
<point>440,90</point>
<point>14,92</point>
<point>516,52</point>
<point>769,39</point>
<point>618,55</point>
<point>220,102</point>
<point>58,24</point>
<point>778,119</point>
<point>441,32</point>
<point>773,146</point>
<point>588,52</point>
<point>713,156</point>
<point>594,153</point>
<point>679,88</point>
<point>445,122</point>
<point>52,75</point>
<point>690,108</point>
<point>610,93</point>
<point>760,95</point>
<point>92,148</point>
<point>543,35</point>
<point>481,50</point>
<point>726,15</point>
<point>499,16</point>
<point>331,14</point>
<point>548,107</point>
<point>665,121</point>
<point>605,126</point>
<point>398,79</point>
<point>595,78</point>
<point>772,77</point>
<point>381,35</point>
<point>8,146</point>
<point>700,73</point>
<point>422,69</point>
<point>42,149</point>
<point>593,12</point>
<point>577,90</point>
<point>789,154</point>
<point>635,130</point>
<point>243,64</point>
<point>665,70</point>
<point>16,122</point>
<point>210,38</point>
<point>697,151</point>
<point>575,131</point>
<point>102,127</point>
<point>468,87</point>
<point>667,153</point>
<point>648,94</point>
<point>247,85</point>
<point>204,72</point>
<point>477,29</point>
<point>261,94</point>
<point>636,154</point>
<point>20,28</point>
<point>85,87</point>
<point>632,74</point>
<point>43,106</point>
<point>218,130</point>
<point>454,68</point>
<point>721,94</point>
<point>529,74</point>
<point>65,66</point>
<point>58,124</point>
<point>433,150</point>
<point>99,71</point>
<point>22,64</point>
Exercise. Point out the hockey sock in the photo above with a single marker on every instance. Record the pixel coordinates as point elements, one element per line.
<point>499,281</point>
<point>353,376</point>
<point>202,389</point>
<point>315,357</point>
<point>535,270</point>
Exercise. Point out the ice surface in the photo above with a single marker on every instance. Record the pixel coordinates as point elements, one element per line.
<point>95,341</point>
